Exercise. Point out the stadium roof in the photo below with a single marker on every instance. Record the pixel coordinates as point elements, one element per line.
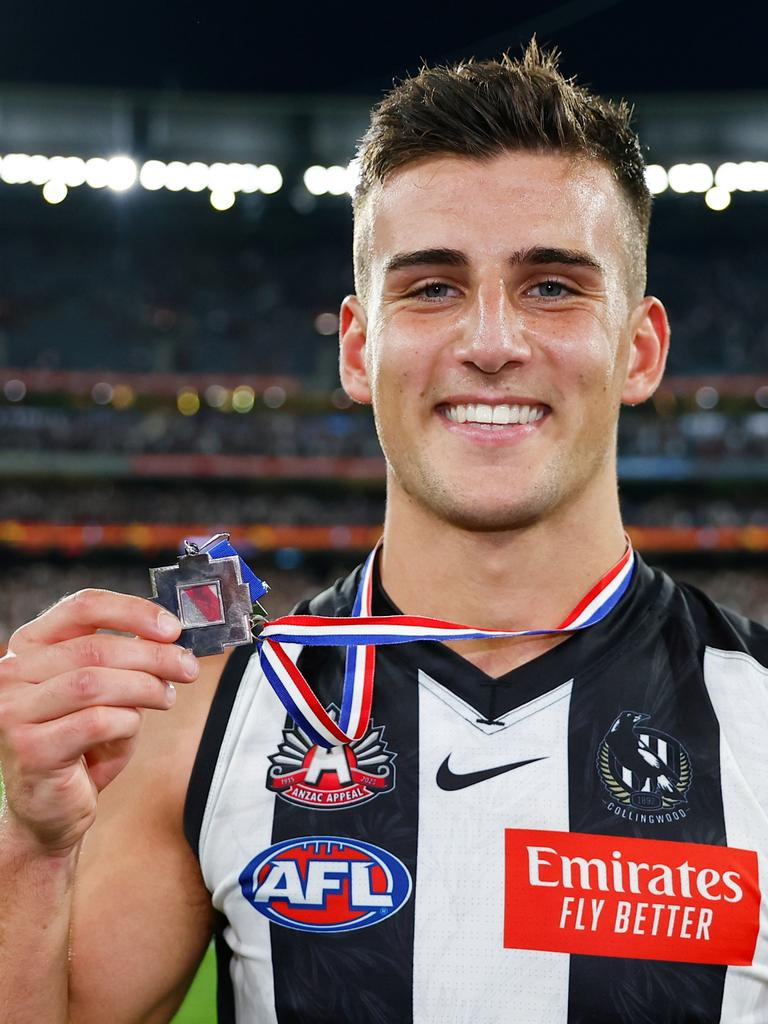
<point>615,45</point>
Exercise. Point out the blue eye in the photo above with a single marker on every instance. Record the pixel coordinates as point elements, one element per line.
<point>434,290</point>
<point>551,289</point>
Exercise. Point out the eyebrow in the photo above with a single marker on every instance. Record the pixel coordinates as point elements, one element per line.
<point>537,255</point>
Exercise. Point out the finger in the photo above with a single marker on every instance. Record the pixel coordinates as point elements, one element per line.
<point>60,743</point>
<point>89,687</point>
<point>164,660</point>
<point>107,760</point>
<point>88,610</point>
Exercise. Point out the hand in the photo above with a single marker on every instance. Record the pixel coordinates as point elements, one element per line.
<point>70,706</point>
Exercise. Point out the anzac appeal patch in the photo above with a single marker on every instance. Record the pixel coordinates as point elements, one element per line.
<point>310,775</point>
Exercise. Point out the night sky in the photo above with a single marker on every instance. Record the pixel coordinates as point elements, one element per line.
<point>614,45</point>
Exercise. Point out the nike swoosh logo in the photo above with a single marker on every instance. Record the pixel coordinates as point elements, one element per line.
<point>448,780</point>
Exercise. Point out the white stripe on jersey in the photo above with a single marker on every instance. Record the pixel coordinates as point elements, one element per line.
<point>236,825</point>
<point>452,965</point>
<point>738,688</point>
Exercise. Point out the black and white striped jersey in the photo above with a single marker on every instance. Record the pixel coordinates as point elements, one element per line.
<point>584,839</point>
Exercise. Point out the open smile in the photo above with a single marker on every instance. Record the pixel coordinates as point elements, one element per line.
<point>500,415</point>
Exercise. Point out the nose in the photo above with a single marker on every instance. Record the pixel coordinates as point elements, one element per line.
<point>494,332</point>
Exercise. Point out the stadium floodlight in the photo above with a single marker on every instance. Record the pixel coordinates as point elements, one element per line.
<point>701,177</point>
<point>16,169</point>
<point>68,169</point>
<point>249,178</point>
<point>197,176</point>
<point>337,180</point>
<point>220,177</point>
<point>152,175</point>
<point>222,199</point>
<point>122,173</point>
<point>727,176</point>
<point>717,198</point>
<point>751,176</point>
<point>38,170</point>
<point>679,178</point>
<point>176,176</point>
<point>97,172</point>
<point>690,177</point>
<point>316,180</point>
<point>270,179</point>
<point>55,192</point>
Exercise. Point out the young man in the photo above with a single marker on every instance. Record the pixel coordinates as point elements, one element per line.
<point>557,827</point>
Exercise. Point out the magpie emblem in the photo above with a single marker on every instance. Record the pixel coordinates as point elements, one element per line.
<point>641,767</point>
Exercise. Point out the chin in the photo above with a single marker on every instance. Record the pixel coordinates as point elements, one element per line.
<point>475,516</point>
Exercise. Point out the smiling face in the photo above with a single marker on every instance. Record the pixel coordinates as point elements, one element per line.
<point>500,334</point>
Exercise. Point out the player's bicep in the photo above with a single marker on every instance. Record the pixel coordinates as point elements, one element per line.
<point>142,917</point>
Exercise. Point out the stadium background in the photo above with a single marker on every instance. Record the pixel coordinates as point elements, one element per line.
<point>176,238</point>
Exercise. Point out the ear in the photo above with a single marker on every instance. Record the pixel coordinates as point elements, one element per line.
<point>353,325</point>
<point>649,345</point>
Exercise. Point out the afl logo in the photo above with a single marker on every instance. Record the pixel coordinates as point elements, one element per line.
<point>643,768</point>
<point>325,884</point>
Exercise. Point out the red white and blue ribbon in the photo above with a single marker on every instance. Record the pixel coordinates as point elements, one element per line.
<point>361,633</point>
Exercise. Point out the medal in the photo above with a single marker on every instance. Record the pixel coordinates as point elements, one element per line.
<point>214,581</point>
<point>214,595</point>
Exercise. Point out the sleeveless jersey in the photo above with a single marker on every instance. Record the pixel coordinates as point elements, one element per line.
<point>584,839</point>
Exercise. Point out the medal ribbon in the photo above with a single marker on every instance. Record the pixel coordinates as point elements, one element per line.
<point>362,632</point>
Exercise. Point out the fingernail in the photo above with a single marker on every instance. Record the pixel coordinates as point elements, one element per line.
<point>191,664</point>
<point>168,624</point>
<point>170,693</point>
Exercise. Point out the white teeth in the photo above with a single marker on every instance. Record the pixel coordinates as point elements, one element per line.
<point>498,415</point>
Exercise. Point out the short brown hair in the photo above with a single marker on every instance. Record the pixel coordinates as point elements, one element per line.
<point>480,109</point>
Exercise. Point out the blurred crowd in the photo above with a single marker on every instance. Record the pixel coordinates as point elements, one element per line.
<point>340,434</point>
<point>703,434</point>
<point>167,302</point>
<point>222,504</point>
<point>161,304</point>
<point>213,502</point>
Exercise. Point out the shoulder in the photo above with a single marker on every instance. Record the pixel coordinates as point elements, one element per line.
<point>714,625</point>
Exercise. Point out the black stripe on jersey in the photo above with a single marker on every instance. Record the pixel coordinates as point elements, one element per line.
<point>210,744</point>
<point>659,673</point>
<point>225,996</point>
<point>363,976</point>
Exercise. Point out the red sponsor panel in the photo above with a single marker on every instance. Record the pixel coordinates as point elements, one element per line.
<point>648,899</point>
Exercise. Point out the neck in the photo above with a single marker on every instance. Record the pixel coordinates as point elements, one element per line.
<point>528,577</point>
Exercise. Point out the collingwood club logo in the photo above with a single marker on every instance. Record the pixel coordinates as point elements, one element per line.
<point>309,775</point>
<point>646,773</point>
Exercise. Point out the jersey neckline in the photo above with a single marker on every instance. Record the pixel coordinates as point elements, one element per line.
<point>490,696</point>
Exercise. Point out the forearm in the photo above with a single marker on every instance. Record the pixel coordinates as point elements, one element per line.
<point>35,910</point>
